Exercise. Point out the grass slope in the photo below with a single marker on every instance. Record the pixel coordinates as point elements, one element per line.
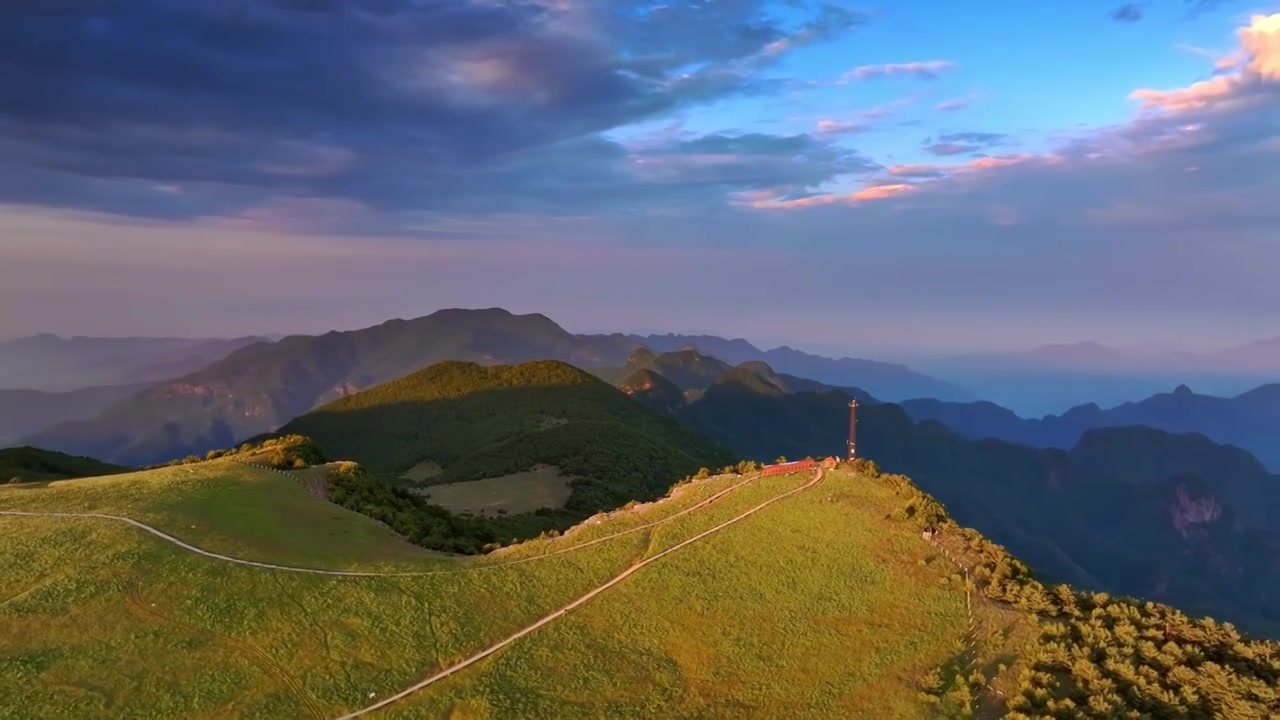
<point>826,604</point>
<point>482,422</point>
<point>27,464</point>
<point>842,613</point>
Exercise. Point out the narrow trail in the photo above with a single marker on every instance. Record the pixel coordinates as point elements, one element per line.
<point>576,603</point>
<point>357,573</point>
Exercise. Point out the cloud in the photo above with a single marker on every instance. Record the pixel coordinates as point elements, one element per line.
<point>953,104</point>
<point>1129,13</point>
<point>830,126</point>
<point>1246,76</point>
<point>765,201</point>
<point>395,106</point>
<point>1168,214</point>
<point>862,120</point>
<point>961,143</point>
<point>928,70</point>
<point>1201,154</point>
<point>950,148</point>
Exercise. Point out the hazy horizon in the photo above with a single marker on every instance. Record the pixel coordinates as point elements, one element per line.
<point>816,173</point>
<point>868,350</point>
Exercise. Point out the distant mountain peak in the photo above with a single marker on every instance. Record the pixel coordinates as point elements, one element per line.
<point>475,312</point>
<point>1183,391</point>
<point>641,355</point>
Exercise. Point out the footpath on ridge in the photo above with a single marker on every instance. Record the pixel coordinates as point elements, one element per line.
<point>576,603</point>
<point>360,573</point>
<point>480,655</point>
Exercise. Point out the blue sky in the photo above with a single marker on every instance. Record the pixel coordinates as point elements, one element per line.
<point>950,176</point>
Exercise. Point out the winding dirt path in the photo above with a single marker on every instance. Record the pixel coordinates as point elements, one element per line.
<point>576,603</point>
<point>356,573</point>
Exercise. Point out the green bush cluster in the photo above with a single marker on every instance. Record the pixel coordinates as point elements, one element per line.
<point>431,526</point>
<point>410,515</point>
<point>1100,656</point>
<point>284,452</point>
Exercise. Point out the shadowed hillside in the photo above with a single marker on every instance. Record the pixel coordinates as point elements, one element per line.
<point>1249,420</point>
<point>474,423</point>
<point>27,464</point>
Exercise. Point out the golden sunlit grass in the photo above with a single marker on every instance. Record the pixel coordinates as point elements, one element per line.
<point>817,606</point>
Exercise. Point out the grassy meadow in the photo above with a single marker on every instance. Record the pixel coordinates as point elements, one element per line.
<point>817,606</point>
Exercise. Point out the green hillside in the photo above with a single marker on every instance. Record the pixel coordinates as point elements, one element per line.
<point>25,464</point>
<point>820,601</point>
<point>474,424</point>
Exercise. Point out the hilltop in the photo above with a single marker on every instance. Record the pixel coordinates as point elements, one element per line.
<point>543,442</point>
<point>751,593</point>
<point>26,464</point>
<point>1247,420</point>
<point>1173,517</point>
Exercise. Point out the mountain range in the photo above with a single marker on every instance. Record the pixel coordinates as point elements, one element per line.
<point>888,380</point>
<point>23,412</point>
<point>54,364</point>
<point>1127,509</point>
<point>263,385</point>
<point>1089,497</point>
<point>1250,420</point>
<point>1051,378</point>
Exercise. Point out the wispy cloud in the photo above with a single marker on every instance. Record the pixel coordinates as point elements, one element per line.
<point>926,70</point>
<point>828,126</point>
<point>862,120</point>
<point>953,104</point>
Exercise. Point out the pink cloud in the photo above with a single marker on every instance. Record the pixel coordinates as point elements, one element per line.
<point>953,104</point>
<point>1261,42</point>
<point>871,192</point>
<point>1256,62</point>
<point>828,126</point>
<point>915,170</point>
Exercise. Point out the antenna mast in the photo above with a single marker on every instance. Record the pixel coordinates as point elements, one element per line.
<point>853,429</point>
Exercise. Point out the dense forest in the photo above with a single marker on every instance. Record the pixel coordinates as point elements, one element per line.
<point>29,464</point>
<point>476,422</point>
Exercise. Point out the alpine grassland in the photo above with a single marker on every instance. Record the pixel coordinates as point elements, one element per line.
<point>816,604</point>
<point>782,596</point>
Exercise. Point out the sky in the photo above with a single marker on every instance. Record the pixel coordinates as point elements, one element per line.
<point>918,175</point>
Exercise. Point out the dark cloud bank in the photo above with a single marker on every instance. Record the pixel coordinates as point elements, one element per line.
<point>194,108</point>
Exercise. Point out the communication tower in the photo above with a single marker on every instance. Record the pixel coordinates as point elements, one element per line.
<point>853,429</point>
